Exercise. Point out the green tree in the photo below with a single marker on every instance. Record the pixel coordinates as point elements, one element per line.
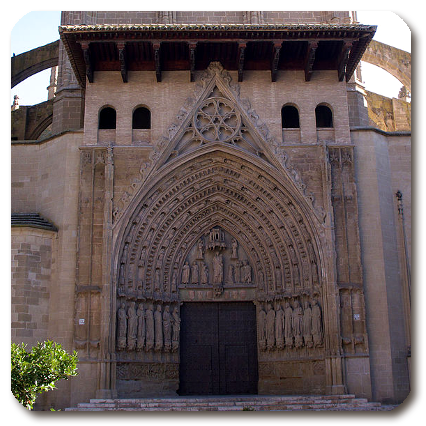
<point>37,371</point>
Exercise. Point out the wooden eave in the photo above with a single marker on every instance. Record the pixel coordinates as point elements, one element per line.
<point>192,47</point>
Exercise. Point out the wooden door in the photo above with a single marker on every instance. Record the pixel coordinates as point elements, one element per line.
<point>218,354</point>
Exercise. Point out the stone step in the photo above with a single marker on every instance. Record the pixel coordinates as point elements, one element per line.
<point>234,403</point>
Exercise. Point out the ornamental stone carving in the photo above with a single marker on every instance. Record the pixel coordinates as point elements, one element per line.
<point>293,328</point>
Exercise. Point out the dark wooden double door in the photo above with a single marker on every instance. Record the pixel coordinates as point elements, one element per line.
<point>218,349</point>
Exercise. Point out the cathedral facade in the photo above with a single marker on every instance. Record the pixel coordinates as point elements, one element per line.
<point>213,213</point>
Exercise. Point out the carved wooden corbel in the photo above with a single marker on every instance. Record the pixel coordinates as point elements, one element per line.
<point>123,60</point>
<point>310,59</point>
<point>241,50</point>
<point>192,48</point>
<point>275,60</point>
<point>343,59</point>
<point>87,60</point>
<point>156,47</point>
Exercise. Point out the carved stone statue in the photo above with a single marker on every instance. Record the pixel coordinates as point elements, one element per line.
<point>121,327</point>
<point>288,325</point>
<point>186,271</point>
<point>230,277</point>
<point>297,324</point>
<point>237,271</point>
<point>200,249</point>
<point>175,329</point>
<point>270,328</point>
<point>149,322</point>
<point>167,329</point>
<point>157,280</point>
<point>141,272</point>
<point>316,324</point>
<point>204,274</point>
<point>218,268</point>
<point>140,313</point>
<point>279,327</point>
<point>307,325</point>
<point>262,329</point>
<point>132,327</point>
<point>174,282</point>
<point>234,253</point>
<point>246,272</point>
<point>195,273</point>
<point>158,327</point>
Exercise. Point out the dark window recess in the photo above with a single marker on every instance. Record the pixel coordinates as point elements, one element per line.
<point>290,117</point>
<point>107,118</point>
<point>141,118</point>
<point>324,116</point>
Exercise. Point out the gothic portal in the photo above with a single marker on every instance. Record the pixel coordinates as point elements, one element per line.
<point>212,212</point>
<point>220,220</point>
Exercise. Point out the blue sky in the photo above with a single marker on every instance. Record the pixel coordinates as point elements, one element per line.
<point>38,28</point>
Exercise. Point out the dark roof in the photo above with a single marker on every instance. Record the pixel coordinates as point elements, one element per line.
<point>33,220</point>
<point>158,47</point>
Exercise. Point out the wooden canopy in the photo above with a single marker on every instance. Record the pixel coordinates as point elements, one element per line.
<point>239,47</point>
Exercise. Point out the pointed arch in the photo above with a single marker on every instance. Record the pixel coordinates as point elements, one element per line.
<point>218,186</point>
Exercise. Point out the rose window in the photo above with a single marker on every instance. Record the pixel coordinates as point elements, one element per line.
<point>217,120</point>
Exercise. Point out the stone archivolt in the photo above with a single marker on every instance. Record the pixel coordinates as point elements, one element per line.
<point>218,190</point>
<point>217,180</point>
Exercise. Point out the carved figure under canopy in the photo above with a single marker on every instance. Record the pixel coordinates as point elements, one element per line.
<point>149,322</point>
<point>175,329</point>
<point>307,325</point>
<point>186,272</point>
<point>195,273</point>
<point>167,329</point>
<point>270,328</point>
<point>204,273</point>
<point>297,324</point>
<point>132,327</point>
<point>158,327</point>
<point>140,313</point>
<point>121,327</point>
<point>218,268</point>
<point>288,325</point>
<point>279,327</point>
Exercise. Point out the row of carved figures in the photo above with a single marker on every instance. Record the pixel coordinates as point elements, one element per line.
<point>147,329</point>
<point>291,327</point>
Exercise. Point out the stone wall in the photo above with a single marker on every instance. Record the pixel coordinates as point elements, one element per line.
<point>33,263</point>
<point>45,180</point>
<point>378,180</point>
<point>205,17</point>
<point>390,115</point>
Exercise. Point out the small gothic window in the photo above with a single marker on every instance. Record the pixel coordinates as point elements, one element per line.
<point>107,118</point>
<point>289,117</point>
<point>324,116</point>
<point>141,118</point>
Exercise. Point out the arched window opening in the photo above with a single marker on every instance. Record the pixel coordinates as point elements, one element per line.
<point>107,118</point>
<point>290,117</point>
<point>141,118</point>
<point>324,116</point>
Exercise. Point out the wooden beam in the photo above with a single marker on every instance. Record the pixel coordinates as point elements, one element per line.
<point>310,59</point>
<point>241,50</point>
<point>156,47</point>
<point>88,61</point>
<point>343,59</point>
<point>192,48</point>
<point>275,60</point>
<point>123,60</point>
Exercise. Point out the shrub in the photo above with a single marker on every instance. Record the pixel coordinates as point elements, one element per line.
<point>37,371</point>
